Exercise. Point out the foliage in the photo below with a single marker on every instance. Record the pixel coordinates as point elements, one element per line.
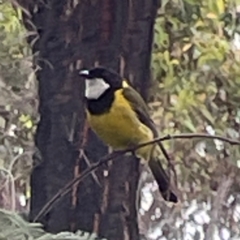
<point>18,107</point>
<point>12,226</point>
<point>196,68</point>
<point>14,54</point>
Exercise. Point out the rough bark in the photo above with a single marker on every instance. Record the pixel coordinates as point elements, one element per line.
<point>72,35</point>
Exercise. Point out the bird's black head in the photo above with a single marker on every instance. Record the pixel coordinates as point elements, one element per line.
<point>99,80</point>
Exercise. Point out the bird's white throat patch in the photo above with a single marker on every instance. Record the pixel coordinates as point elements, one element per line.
<point>94,88</point>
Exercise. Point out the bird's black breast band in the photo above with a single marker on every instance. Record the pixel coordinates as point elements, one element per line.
<point>102,104</point>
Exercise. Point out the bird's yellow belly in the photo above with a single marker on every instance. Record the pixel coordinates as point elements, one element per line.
<point>120,127</point>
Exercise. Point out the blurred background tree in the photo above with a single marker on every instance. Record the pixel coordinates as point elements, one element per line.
<point>196,77</point>
<point>18,109</point>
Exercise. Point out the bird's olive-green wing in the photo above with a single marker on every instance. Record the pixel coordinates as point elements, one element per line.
<point>140,107</point>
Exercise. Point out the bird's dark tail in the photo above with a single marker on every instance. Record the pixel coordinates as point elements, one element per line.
<point>162,180</point>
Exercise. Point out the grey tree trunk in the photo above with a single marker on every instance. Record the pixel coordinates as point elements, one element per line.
<point>71,35</point>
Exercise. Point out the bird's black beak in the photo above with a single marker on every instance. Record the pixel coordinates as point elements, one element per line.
<point>84,73</point>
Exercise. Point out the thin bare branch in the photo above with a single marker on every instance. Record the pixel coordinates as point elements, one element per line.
<point>62,192</point>
<point>188,136</point>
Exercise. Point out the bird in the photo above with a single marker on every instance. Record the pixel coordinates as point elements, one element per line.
<point>119,116</point>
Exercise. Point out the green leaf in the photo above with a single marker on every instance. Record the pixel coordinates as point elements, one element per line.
<point>207,114</point>
<point>189,125</point>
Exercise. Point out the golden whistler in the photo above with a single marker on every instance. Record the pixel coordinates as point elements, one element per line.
<point>119,116</point>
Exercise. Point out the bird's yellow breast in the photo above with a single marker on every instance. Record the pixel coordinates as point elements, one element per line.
<point>120,127</point>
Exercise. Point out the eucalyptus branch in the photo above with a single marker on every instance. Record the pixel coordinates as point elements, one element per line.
<point>67,188</point>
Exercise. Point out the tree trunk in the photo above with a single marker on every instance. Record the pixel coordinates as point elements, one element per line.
<point>71,35</point>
